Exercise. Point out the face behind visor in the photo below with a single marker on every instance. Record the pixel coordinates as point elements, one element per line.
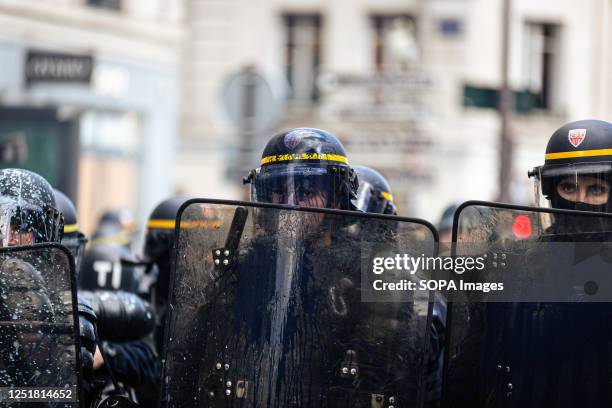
<point>577,174</point>
<point>307,185</point>
<point>305,167</point>
<point>374,193</point>
<point>26,224</point>
<point>28,212</point>
<point>584,187</point>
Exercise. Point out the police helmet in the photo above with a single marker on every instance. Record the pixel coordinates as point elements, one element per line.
<point>374,193</point>
<point>28,212</point>
<point>72,238</point>
<point>159,237</point>
<point>577,170</point>
<point>115,227</point>
<point>306,167</point>
<point>159,241</point>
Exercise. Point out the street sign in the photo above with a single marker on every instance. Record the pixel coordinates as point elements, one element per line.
<point>43,66</point>
<point>250,101</point>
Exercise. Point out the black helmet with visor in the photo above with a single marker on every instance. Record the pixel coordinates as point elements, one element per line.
<point>374,194</point>
<point>577,170</point>
<point>306,167</point>
<point>28,212</point>
<point>73,238</point>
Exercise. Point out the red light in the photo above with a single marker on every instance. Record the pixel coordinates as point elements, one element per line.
<point>521,227</point>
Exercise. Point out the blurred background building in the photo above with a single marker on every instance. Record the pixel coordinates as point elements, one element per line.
<point>89,93</point>
<point>183,94</point>
<point>410,86</point>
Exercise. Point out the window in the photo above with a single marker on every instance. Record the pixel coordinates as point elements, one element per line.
<point>450,27</point>
<point>483,97</point>
<point>109,165</point>
<point>107,4</point>
<point>303,55</point>
<point>395,45</point>
<point>539,88</point>
<point>540,65</point>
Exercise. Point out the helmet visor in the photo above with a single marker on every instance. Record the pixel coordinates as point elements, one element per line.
<point>25,224</point>
<point>75,242</point>
<point>306,185</point>
<point>369,199</point>
<point>584,186</point>
<point>158,244</point>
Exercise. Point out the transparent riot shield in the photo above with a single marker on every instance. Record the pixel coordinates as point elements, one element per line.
<point>545,338</point>
<point>275,307</point>
<point>38,341</point>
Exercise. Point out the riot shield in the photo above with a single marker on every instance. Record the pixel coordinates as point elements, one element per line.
<point>273,306</point>
<point>38,332</point>
<point>545,338</point>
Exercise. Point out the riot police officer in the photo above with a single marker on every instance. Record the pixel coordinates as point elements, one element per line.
<point>374,193</point>
<point>29,214</point>
<point>576,171</point>
<point>308,167</point>
<point>157,251</point>
<point>73,238</point>
<point>576,174</point>
<point>123,319</point>
<point>543,353</point>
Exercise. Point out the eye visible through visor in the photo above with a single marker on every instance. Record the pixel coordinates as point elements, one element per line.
<point>306,185</point>
<point>25,225</point>
<point>561,185</point>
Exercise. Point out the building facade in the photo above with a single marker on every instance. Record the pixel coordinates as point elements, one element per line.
<point>409,86</point>
<point>108,68</point>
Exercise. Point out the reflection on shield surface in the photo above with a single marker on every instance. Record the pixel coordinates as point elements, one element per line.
<point>267,311</point>
<point>546,341</point>
<point>37,321</point>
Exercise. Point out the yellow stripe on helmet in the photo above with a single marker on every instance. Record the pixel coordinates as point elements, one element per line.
<point>161,224</point>
<point>170,224</point>
<point>386,195</point>
<point>578,153</point>
<point>201,224</point>
<point>71,228</point>
<point>304,156</point>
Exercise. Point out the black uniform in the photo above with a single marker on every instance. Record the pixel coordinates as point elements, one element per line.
<point>123,319</point>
